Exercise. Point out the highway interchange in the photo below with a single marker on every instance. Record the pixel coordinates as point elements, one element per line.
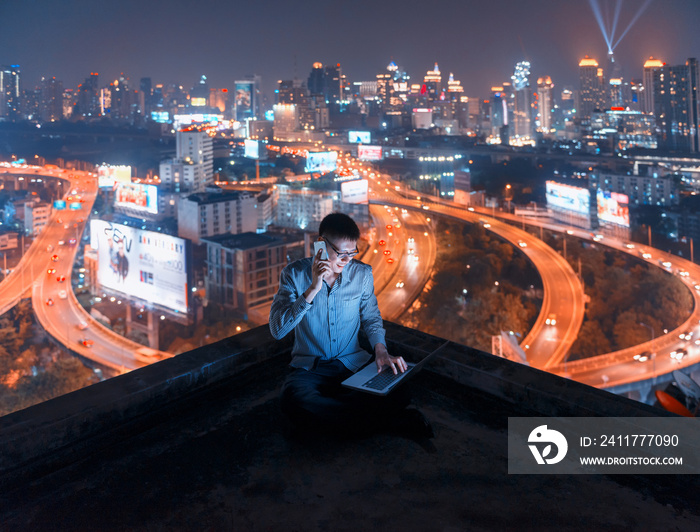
<point>402,251</point>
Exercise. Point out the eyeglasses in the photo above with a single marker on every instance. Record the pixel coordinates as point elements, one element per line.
<point>342,254</point>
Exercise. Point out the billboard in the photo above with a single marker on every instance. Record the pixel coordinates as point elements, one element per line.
<point>356,191</point>
<point>254,149</point>
<point>142,264</point>
<point>162,117</point>
<point>184,120</point>
<point>359,137</point>
<point>137,197</point>
<point>108,175</point>
<point>321,161</point>
<point>613,208</point>
<point>568,198</point>
<point>245,92</point>
<point>369,153</point>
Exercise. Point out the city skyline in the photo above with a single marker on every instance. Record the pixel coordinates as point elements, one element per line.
<point>479,43</point>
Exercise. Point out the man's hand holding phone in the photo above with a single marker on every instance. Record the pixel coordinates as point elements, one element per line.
<point>320,269</point>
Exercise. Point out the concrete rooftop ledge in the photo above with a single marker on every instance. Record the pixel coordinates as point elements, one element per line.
<point>198,442</point>
<point>47,434</point>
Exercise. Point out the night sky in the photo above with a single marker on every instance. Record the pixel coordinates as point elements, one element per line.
<point>479,40</point>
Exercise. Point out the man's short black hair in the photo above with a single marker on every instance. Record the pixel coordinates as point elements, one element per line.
<point>339,226</point>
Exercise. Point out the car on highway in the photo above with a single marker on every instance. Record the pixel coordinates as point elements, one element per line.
<point>678,354</point>
<point>54,258</point>
<point>72,241</point>
<point>387,252</point>
<point>411,240</point>
<point>382,242</point>
<point>686,335</point>
<point>147,355</point>
<point>629,245</point>
<point>643,357</point>
<point>551,319</point>
<point>49,302</point>
<point>400,284</point>
<point>62,294</point>
<point>82,325</point>
<point>60,278</point>
<point>522,244</point>
<point>51,271</point>
<point>49,248</point>
<point>86,342</point>
<point>61,242</point>
<point>390,260</point>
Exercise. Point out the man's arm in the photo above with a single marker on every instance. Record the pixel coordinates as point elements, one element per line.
<point>373,325</point>
<point>288,308</point>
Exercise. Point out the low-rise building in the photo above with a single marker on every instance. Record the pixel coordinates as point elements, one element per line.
<point>302,209</point>
<point>36,217</point>
<point>243,271</point>
<point>213,213</point>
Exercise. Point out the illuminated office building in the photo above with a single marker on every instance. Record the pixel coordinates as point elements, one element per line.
<point>432,84</point>
<point>592,89</point>
<point>327,82</point>
<point>676,106</point>
<point>544,103</point>
<point>522,109</point>
<point>10,92</point>
<point>51,99</point>
<point>650,66</point>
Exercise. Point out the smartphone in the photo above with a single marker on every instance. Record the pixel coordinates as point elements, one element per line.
<point>320,244</point>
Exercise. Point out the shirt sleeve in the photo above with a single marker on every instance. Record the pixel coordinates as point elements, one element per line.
<point>370,317</point>
<point>288,307</point>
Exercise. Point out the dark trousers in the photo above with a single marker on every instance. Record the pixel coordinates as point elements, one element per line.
<point>315,398</point>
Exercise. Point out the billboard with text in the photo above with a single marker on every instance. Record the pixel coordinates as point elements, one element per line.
<point>142,264</point>
<point>569,198</point>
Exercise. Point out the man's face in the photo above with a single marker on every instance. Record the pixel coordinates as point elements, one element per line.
<point>340,252</point>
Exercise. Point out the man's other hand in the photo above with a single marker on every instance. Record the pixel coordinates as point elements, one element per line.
<point>385,360</point>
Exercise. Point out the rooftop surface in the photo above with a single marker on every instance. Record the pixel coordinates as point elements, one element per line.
<point>198,442</point>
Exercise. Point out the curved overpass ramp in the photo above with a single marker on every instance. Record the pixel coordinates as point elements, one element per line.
<point>545,346</point>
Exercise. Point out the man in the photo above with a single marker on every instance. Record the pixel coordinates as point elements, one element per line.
<point>326,302</point>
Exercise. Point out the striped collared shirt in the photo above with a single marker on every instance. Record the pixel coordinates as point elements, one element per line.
<point>328,327</point>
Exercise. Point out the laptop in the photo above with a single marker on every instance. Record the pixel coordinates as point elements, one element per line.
<point>368,380</point>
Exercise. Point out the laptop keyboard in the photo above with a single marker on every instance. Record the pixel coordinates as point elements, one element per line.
<point>382,380</point>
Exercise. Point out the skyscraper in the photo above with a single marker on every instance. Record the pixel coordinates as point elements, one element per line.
<point>88,100</point>
<point>545,103</point>
<point>327,82</point>
<point>650,66</point>
<point>522,108</point>
<point>10,92</point>
<point>592,91</point>
<point>676,106</point>
<point>432,84</point>
<point>51,99</point>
